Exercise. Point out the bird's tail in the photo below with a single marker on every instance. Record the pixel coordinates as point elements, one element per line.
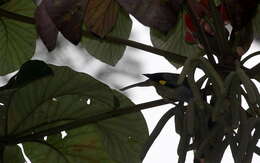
<point>141,84</point>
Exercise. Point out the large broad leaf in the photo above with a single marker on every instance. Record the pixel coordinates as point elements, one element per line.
<point>13,154</point>
<point>17,39</point>
<point>65,96</point>
<point>158,14</point>
<point>174,41</point>
<point>110,53</point>
<point>60,96</point>
<point>101,16</point>
<point>118,140</point>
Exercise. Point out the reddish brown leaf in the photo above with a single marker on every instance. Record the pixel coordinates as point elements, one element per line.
<point>68,17</point>
<point>160,14</point>
<point>189,23</point>
<point>223,13</point>
<point>189,38</point>
<point>47,30</point>
<point>101,16</point>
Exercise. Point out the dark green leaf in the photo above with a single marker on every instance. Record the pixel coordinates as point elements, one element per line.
<point>112,141</point>
<point>13,154</point>
<point>107,52</point>
<point>256,21</point>
<point>190,118</point>
<point>183,145</point>
<point>178,119</point>
<point>174,42</point>
<point>17,39</point>
<point>64,96</point>
<point>249,86</point>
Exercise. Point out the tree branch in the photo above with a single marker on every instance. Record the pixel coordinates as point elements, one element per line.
<point>85,121</point>
<point>17,17</point>
<point>157,130</point>
<point>177,58</point>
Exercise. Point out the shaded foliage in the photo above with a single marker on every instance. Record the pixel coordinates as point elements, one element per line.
<point>41,101</point>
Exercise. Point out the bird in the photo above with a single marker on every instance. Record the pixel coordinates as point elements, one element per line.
<point>166,86</point>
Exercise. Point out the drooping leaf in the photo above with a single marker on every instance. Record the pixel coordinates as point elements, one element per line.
<point>45,27</point>
<point>101,16</point>
<point>17,39</point>
<point>159,14</point>
<point>249,85</point>
<point>68,17</point>
<point>174,41</point>
<point>108,52</point>
<point>112,141</point>
<point>13,154</point>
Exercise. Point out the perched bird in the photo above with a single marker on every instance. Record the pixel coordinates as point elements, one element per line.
<point>166,86</point>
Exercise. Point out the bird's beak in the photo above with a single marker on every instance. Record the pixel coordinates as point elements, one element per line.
<point>141,84</point>
<point>147,75</point>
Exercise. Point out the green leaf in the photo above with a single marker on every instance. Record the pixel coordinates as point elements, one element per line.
<point>13,154</point>
<point>249,85</point>
<point>174,42</point>
<point>17,39</point>
<point>107,52</point>
<point>65,96</point>
<point>256,21</point>
<point>116,140</point>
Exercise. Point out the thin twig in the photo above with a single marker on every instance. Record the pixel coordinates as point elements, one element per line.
<point>157,130</point>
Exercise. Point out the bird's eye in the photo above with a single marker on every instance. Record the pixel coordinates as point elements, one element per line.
<point>162,82</point>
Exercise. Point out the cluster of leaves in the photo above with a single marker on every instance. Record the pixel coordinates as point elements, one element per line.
<point>42,100</point>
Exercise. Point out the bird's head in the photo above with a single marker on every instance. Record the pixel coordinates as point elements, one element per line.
<point>166,79</point>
